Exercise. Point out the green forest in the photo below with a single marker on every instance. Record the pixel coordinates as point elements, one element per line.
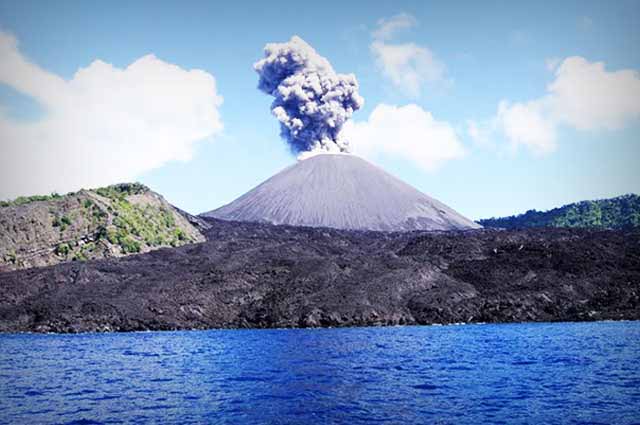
<point>622,212</point>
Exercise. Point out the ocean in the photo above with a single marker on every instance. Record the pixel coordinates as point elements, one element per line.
<point>556,373</point>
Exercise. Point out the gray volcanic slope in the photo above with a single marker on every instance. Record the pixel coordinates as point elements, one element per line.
<point>342,192</point>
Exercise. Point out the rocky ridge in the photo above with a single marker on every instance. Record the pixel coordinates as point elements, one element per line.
<point>90,224</point>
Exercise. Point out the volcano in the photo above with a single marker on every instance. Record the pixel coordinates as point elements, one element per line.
<point>341,191</point>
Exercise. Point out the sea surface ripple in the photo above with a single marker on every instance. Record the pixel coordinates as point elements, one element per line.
<point>561,373</point>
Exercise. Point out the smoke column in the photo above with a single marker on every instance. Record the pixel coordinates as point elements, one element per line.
<point>312,102</point>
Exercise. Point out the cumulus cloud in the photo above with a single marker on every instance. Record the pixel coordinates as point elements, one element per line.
<point>312,102</point>
<point>583,95</point>
<point>407,132</point>
<point>588,97</point>
<point>102,126</point>
<point>407,65</point>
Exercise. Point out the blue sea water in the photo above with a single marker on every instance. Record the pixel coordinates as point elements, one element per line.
<point>562,373</point>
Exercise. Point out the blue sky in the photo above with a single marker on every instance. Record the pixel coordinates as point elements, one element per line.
<point>484,52</point>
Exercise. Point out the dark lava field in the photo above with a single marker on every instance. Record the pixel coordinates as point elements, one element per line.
<point>250,275</point>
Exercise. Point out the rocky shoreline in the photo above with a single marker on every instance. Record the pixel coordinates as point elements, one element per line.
<point>249,275</point>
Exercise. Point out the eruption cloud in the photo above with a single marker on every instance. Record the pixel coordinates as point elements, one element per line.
<point>312,102</point>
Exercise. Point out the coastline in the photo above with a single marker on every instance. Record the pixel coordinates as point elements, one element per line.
<point>249,275</point>
<point>371,327</point>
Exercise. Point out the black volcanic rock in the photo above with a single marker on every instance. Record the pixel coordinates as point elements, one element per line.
<point>259,275</point>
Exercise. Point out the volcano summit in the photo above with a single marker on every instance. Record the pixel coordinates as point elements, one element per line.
<point>341,191</point>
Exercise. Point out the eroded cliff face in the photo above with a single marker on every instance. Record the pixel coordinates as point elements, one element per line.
<point>90,224</point>
<point>258,275</point>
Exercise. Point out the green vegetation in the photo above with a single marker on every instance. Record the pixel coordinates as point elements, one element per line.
<point>62,250</point>
<point>121,191</point>
<point>21,200</point>
<point>151,225</point>
<point>97,223</point>
<point>616,213</point>
<point>115,191</point>
<point>11,256</point>
<point>129,245</point>
<point>79,256</point>
<point>84,251</point>
<point>134,225</point>
<point>179,234</point>
<point>94,212</point>
<point>61,221</point>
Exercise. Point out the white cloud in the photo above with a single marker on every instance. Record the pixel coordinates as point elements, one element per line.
<point>583,95</point>
<point>387,27</point>
<point>588,97</point>
<point>526,124</point>
<point>407,132</point>
<point>408,65</point>
<point>104,125</point>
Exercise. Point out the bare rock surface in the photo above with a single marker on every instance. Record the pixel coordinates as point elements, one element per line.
<point>260,275</point>
<point>343,192</point>
<point>90,224</point>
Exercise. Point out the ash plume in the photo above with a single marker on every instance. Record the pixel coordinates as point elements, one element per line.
<point>312,102</point>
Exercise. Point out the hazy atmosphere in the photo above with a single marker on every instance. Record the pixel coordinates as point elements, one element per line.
<point>475,104</point>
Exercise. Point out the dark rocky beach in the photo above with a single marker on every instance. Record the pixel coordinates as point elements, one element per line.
<point>249,275</point>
